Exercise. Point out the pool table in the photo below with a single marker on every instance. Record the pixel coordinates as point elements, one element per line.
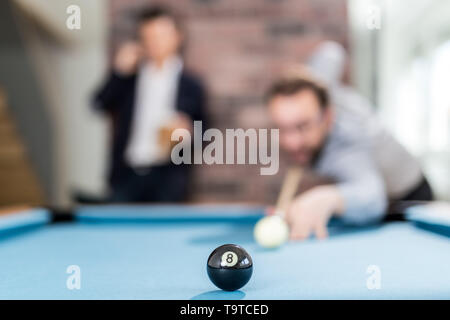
<point>160,252</point>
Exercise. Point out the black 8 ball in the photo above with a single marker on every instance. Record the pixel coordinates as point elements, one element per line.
<point>229,267</point>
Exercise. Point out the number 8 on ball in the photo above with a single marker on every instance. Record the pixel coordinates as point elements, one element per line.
<point>229,259</point>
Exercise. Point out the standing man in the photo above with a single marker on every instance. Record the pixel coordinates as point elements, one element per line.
<point>148,94</point>
<point>345,143</point>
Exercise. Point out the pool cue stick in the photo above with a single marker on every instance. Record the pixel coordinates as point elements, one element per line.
<point>289,188</point>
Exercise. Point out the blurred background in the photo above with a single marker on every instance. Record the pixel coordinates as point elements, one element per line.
<point>54,147</point>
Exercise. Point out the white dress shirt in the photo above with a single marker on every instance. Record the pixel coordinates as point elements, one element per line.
<point>155,106</point>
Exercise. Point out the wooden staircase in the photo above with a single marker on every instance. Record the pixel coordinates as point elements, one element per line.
<point>18,183</point>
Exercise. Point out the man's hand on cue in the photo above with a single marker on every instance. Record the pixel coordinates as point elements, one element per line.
<point>310,212</point>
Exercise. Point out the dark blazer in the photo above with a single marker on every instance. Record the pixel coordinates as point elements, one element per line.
<point>117,97</point>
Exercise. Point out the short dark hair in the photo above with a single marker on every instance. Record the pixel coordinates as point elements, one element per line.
<point>291,85</point>
<point>152,13</point>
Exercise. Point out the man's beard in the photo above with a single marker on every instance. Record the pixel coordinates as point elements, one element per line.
<point>313,156</point>
<point>316,155</point>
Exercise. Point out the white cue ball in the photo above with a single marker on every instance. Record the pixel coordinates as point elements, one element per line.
<point>271,231</point>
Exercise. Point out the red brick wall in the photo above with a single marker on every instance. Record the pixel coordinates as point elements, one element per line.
<point>237,47</point>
